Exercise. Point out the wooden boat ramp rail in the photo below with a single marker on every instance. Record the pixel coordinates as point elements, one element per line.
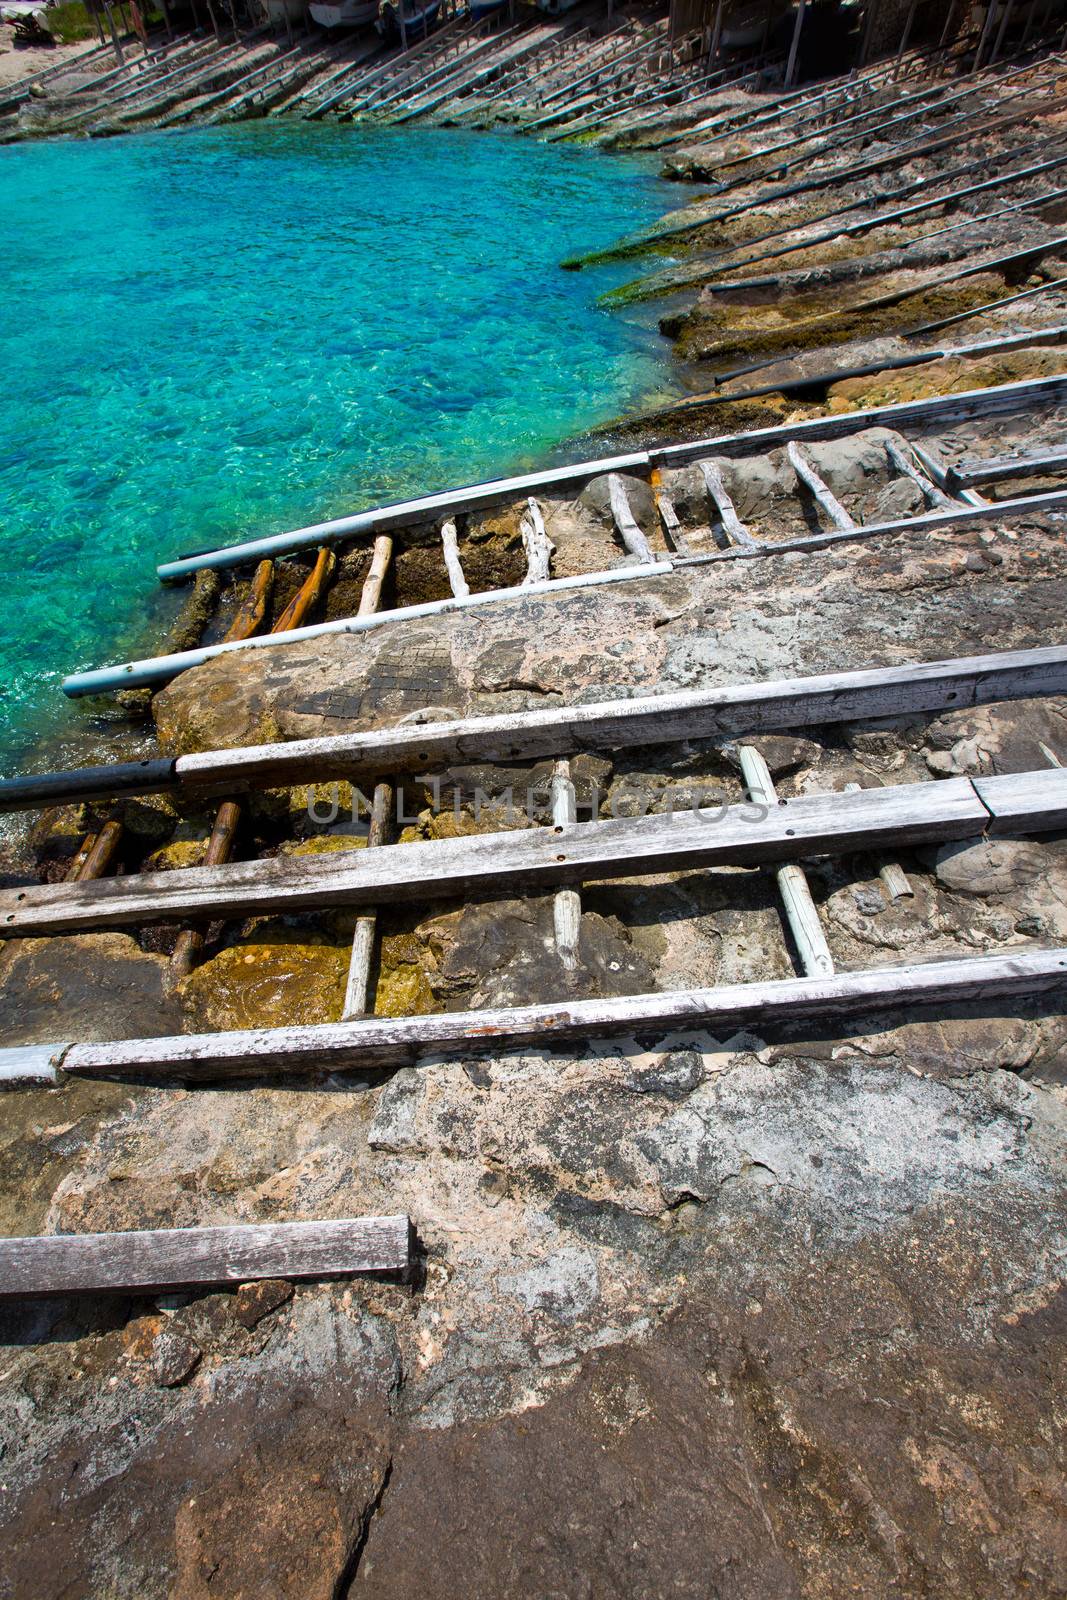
<point>721,535</point>
<point>558,856</point>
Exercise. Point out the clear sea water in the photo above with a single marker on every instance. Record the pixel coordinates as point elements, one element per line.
<point>230,332</point>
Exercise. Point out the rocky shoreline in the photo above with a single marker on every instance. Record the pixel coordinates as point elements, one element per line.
<point>779,1313</point>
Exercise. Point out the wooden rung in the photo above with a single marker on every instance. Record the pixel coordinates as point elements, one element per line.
<point>733,527</point>
<point>567,903</point>
<point>668,516</point>
<point>734,709</point>
<point>185,1258</point>
<point>940,475</point>
<point>450,546</point>
<point>190,942</point>
<point>800,909</point>
<point>357,989</point>
<point>311,592</point>
<point>101,853</point>
<point>391,1042</point>
<point>527,858</point>
<point>252,611</point>
<point>896,882</point>
<point>818,488</point>
<point>370,597</point>
<point>969,473</point>
<point>538,546</point>
<point>629,532</point>
<point>933,493</point>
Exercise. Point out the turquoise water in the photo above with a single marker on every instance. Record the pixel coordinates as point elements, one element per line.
<point>236,331</point>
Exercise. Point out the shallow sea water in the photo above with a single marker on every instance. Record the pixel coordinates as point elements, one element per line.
<point>230,332</point>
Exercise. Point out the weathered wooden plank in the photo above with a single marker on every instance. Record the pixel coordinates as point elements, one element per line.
<point>647,719</point>
<point>527,858</point>
<point>180,1258</point>
<point>28,1066</point>
<point>391,1042</point>
<point>401,514</point>
<point>1014,800</point>
<point>999,468</point>
<point>964,407</point>
<point>159,669</point>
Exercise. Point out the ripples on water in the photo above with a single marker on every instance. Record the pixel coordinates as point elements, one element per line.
<point>232,332</point>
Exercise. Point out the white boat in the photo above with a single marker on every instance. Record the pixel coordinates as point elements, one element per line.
<point>343,13</point>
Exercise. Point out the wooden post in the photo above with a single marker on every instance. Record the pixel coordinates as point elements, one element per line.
<point>96,854</point>
<point>791,67</point>
<point>567,903</point>
<point>311,592</point>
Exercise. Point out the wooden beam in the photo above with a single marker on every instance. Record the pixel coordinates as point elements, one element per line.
<point>190,942</point>
<point>310,593</point>
<point>743,708</point>
<point>526,858</point>
<point>370,598</point>
<point>999,468</point>
<point>184,1258</point>
<point>404,1041</point>
<point>1025,802</point>
<point>101,854</point>
<point>450,548</point>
